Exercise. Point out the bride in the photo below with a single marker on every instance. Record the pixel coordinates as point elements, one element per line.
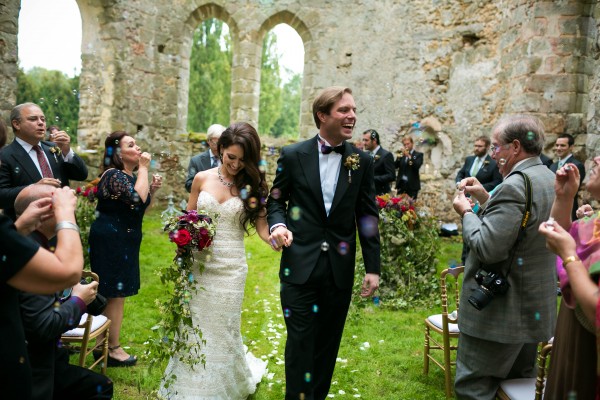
<point>236,191</point>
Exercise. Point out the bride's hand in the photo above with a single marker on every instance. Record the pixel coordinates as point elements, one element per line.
<point>280,237</point>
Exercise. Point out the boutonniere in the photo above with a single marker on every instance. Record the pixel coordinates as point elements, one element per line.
<point>486,162</point>
<point>54,150</point>
<point>377,157</point>
<point>352,163</point>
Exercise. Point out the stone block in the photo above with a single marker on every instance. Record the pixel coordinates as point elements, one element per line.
<point>550,8</point>
<point>574,124</point>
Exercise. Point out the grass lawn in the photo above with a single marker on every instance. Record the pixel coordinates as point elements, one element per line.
<point>381,356</point>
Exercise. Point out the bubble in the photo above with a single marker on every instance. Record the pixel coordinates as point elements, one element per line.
<point>256,289</point>
<point>107,161</point>
<point>315,308</point>
<point>52,248</point>
<point>120,286</point>
<point>135,197</point>
<point>117,141</point>
<point>56,305</point>
<point>502,161</point>
<point>286,272</point>
<point>537,316</point>
<point>3,258</point>
<point>56,118</point>
<point>275,193</point>
<point>248,255</point>
<point>109,151</point>
<point>21,360</point>
<point>186,296</point>
<point>279,168</point>
<point>42,100</point>
<point>70,321</point>
<point>243,194</point>
<point>55,101</point>
<point>376,300</point>
<point>343,248</point>
<point>153,164</point>
<point>324,246</point>
<point>74,92</point>
<point>530,135</point>
<point>295,213</point>
<point>17,169</point>
<point>368,226</point>
<point>307,377</point>
<point>271,151</point>
<point>452,264</point>
<point>252,202</point>
<point>520,262</point>
<point>287,312</point>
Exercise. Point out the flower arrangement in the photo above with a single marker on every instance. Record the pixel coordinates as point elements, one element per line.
<point>192,232</point>
<point>85,214</point>
<point>409,245</point>
<point>352,163</point>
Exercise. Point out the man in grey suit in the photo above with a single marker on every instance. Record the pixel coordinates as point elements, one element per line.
<point>207,159</point>
<point>500,340</point>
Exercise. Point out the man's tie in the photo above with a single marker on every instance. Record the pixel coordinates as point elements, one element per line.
<point>475,168</point>
<point>46,171</point>
<point>213,162</point>
<point>328,149</point>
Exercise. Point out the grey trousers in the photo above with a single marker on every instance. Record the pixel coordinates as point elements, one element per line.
<point>482,364</point>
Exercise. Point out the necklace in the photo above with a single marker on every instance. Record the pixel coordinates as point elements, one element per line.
<point>228,184</point>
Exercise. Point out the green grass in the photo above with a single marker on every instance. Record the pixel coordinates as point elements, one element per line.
<point>391,367</point>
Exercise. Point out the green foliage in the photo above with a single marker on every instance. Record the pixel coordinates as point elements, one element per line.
<point>271,94</point>
<point>409,247</point>
<point>55,93</point>
<point>287,124</point>
<point>210,77</point>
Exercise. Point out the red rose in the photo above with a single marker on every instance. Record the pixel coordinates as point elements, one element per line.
<point>403,208</point>
<point>411,208</point>
<point>95,189</point>
<point>86,193</point>
<point>381,202</point>
<point>395,200</point>
<point>181,237</point>
<point>204,239</point>
<point>78,190</point>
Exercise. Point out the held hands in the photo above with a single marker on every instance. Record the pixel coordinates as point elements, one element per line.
<point>369,285</point>
<point>566,183</point>
<point>62,140</point>
<point>280,237</point>
<point>558,240</point>
<point>87,292</point>
<point>145,159</point>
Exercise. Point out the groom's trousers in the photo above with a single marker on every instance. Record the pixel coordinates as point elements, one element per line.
<point>315,314</point>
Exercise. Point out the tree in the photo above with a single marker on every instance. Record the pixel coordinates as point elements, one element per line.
<point>288,121</point>
<point>210,77</point>
<point>55,93</point>
<point>271,93</point>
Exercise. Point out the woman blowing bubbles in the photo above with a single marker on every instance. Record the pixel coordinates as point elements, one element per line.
<point>574,352</point>
<point>116,234</point>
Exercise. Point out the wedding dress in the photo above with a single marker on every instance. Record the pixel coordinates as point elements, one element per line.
<point>230,372</point>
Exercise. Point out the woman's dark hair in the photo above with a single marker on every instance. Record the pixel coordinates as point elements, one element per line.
<point>112,151</point>
<point>250,182</point>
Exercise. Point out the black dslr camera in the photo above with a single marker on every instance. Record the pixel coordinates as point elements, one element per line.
<point>490,284</point>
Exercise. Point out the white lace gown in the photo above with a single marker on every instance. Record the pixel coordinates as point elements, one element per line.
<point>230,372</point>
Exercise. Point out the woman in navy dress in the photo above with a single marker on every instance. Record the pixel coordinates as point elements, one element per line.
<point>116,233</point>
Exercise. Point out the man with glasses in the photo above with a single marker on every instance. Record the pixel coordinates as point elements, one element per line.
<point>208,159</point>
<point>501,325</point>
<point>30,159</point>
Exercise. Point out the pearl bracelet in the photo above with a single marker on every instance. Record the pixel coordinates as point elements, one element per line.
<point>66,225</point>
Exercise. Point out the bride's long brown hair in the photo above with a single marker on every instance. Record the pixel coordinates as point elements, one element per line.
<point>250,182</point>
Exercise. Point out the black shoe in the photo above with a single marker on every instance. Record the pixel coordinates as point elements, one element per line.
<point>113,362</point>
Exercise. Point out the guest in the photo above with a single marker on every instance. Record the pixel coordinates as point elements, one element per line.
<point>116,233</point>
<point>46,317</point>
<point>26,266</point>
<point>481,165</point>
<point>384,171</point>
<point>29,159</point>
<point>564,150</point>
<point>573,365</point>
<point>408,163</point>
<point>208,159</point>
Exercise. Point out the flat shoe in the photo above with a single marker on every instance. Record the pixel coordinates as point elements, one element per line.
<point>113,362</point>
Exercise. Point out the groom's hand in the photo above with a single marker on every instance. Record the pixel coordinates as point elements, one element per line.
<point>280,237</point>
<point>369,285</point>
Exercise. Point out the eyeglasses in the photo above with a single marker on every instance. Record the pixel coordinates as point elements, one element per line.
<point>496,147</point>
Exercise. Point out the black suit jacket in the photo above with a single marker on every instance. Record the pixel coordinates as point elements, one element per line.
<point>384,170</point>
<point>488,175</point>
<point>581,168</point>
<point>200,162</point>
<point>410,168</point>
<point>17,170</point>
<point>299,205</point>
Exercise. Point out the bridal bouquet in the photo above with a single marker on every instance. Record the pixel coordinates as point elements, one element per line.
<point>192,232</point>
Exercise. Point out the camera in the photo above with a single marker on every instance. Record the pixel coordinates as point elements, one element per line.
<point>490,284</point>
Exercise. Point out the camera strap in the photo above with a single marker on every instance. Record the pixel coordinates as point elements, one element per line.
<point>524,220</point>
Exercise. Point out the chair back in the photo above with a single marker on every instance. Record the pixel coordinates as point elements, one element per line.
<point>450,291</point>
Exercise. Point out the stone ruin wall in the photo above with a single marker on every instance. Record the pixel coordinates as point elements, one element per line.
<point>464,63</point>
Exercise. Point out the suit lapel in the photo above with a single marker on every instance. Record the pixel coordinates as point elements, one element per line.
<point>343,180</point>
<point>309,162</point>
<point>22,160</point>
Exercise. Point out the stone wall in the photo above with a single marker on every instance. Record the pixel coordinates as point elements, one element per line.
<point>462,62</point>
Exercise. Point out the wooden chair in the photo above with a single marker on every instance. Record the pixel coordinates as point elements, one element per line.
<point>527,388</point>
<point>89,328</point>
<point>445,327</point>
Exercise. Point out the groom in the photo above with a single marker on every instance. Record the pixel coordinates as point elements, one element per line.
<point>323,191</point>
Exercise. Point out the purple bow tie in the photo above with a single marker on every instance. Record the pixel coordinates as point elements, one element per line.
<point>328,149</point>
